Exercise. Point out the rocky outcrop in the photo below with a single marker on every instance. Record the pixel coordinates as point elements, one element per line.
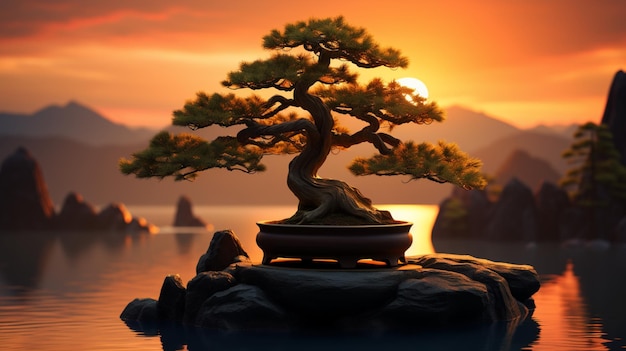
<point>224,249</point>
<point>430,290</point>
<point>514,216</point>
<point>76,214</point>
<point>519,215</point>
<point>465,214</point>
<point>24,200</point>
<point>615,112</point>
<point>552,202</point>
<point>26,206</point>
<point>184,214</point>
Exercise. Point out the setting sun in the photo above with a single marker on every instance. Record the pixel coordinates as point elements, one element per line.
<point>417,85</point>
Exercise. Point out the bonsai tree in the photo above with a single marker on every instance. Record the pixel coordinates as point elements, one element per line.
<point>313,61</point>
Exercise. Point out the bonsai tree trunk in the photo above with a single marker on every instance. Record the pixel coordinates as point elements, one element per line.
<point>319,197</point>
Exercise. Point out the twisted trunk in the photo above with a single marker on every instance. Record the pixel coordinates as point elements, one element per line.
<point>324,200</point>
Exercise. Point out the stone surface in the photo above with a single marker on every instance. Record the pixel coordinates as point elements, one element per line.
<point>184,214</point>
<point>141,310</point>
<point>437,298</point>
<point>432,290</point>
<point>201,287</point>
<point>223,250</point>
<point>24,200</point>
<point>242,307</point>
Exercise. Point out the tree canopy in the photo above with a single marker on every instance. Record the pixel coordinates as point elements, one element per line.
<point>313,60</point>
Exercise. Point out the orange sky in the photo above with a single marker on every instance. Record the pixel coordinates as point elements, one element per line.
<point>524,61</point>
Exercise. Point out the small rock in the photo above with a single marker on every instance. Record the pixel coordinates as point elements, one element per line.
<point>223,250</point>
<point>141,310</point>
<point>171,303</point>
<point>184,214</point>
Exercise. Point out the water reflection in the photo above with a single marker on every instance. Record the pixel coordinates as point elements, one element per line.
<point>69,289</point>
<point>580,305</point>
<point>490,337</point>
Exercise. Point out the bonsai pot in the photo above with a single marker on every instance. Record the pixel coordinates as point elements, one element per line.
<point>345,243</point>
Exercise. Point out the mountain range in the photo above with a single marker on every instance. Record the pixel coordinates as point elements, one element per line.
<point>78,150</point>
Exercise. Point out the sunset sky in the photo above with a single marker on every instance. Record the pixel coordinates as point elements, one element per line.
<point>526,62</point>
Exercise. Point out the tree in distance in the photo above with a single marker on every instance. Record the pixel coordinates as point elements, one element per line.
<point>312,61</point>
<point>597,176</point>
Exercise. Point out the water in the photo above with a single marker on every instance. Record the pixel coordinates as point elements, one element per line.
<point>60,292</point>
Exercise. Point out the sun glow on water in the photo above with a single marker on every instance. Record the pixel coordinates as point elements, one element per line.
<point>423,218</point>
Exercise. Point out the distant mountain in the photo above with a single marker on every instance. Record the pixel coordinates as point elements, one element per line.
<point>92,171</point>
<point>532,171</point>
<point>73,121</point>
<point>547,147</point>
<point>83,156</point>
<point>469,129</point>
<point>560,130</point>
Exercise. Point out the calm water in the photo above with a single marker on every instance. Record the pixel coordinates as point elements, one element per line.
<point>66,292</point>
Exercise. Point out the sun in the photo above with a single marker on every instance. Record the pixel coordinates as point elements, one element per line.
<point>417,85</point>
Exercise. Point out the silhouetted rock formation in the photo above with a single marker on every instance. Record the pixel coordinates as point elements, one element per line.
<point>519,215</point>
<point>24,200</point>
<point>527,169</point>
<point>436,290</point>
<point>184,214</point>
<point>465,214</point>
<point>514,216</point>
<point>225,248</point>
<point>26,206</point>
<point>615,112</point>
<point>76,214</point>
<point>551,201</point>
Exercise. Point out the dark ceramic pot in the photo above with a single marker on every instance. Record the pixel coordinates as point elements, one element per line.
<point>346,244</point>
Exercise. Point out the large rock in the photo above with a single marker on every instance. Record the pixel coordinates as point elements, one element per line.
<point>551,202</point>
<point>464,214</point>
<point>437,298</point>
<point>615,112</point>
<point>76,214</point>
<point>242,307</point>
<point>171,303</point>
<point>184,214</point>
<point>432,290</point>
<point>24,200</point>
<point>514,216</point>
<point>203,286</point>
<point>116,218</point>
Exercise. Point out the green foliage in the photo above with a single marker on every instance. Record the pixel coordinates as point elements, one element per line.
<point>223,110</point>
<point>376,100</point>
<point>183,155</point>
<point>338,39</point>
<point>441,163</point>
<point>597,174</point>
